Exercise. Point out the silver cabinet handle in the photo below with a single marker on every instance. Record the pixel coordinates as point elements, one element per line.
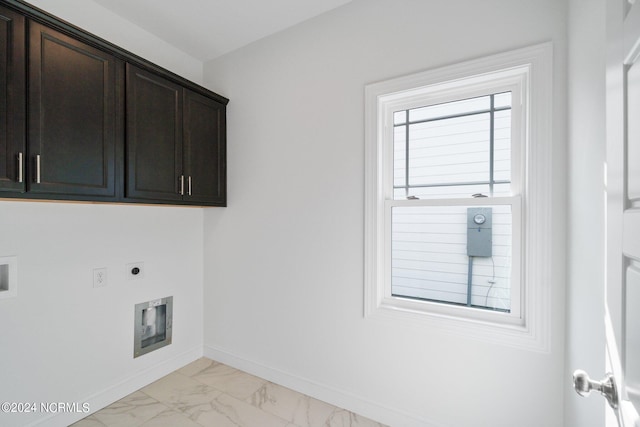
<point>189,185</point>
<point>20,170</point>
<point>37,168</point>
<point>182,185</point>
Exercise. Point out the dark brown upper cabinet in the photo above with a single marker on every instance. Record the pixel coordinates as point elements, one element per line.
<point>204,149</point>
<point>73,102</point>
<point>12,102</point>
<point>154,136</point>
<point>175,142</point>
<point>83,119</point>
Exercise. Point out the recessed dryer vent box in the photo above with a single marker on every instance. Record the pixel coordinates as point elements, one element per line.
<point>153,325</point>
<point>8,277</point>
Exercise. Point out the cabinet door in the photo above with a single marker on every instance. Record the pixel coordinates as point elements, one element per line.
<point>154,137</point>
<point>204,149</point>
<point>12,102</point>
<point>72,121</point>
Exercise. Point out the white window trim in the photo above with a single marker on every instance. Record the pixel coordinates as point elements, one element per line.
<point>528,328</point>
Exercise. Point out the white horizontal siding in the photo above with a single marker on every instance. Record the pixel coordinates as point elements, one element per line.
<point>502,146</point>
<point>445,151</point>
<point>459,191</point>
<point>429,256</point>
<point>449,150</point>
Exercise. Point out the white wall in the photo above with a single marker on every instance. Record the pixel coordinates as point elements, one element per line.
<point>586,119</point>
<point>284,262</point>
<point>64,341</point>
<point>103,23</point>
<point>283,269</point>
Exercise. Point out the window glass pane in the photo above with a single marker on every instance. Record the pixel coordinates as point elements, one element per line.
<point>502,146</point>
<point>464,106</point>
<point>399,117</point>
<point>399,156</point>
<point>501,100</point>
<point>502,190</point>
<point>447,192</point>
<point>399,193</point>
<point>450,151</point>
<point>431,260</point>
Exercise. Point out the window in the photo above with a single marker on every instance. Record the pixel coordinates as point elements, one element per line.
<point>449,151</point>
<point>454,232</point>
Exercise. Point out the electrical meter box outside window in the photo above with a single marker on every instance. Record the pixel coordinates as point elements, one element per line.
<point>479,232</point>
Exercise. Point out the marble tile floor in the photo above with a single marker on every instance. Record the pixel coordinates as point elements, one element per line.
<point>211,394</point>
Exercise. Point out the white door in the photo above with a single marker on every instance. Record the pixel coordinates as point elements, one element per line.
<point>622,305</point>
<point>621,385</point>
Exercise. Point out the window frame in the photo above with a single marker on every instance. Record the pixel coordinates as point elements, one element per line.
<point>513,80</point>
<point>527,74</point>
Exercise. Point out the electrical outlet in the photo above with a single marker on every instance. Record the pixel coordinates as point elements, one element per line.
<point>99,277</point>
<point>135,271</point>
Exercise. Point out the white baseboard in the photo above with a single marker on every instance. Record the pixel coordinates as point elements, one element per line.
<point>323,392</point>
<point>121,389</point>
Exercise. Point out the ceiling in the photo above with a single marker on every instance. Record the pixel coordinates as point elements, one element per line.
<point>206,29</point>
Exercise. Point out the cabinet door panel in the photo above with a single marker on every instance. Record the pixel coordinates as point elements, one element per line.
<point>154,136</point>
<point>205,164</point>
<point>72,105</point>
<point>12,101</point>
